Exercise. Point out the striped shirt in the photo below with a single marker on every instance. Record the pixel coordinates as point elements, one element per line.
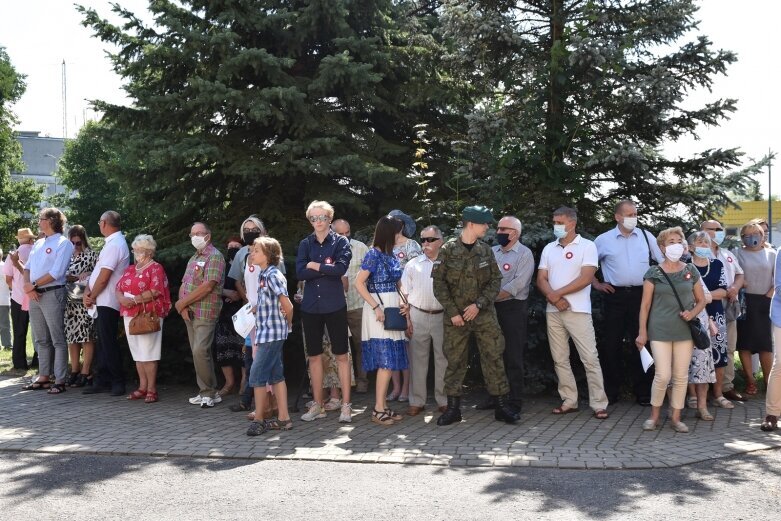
<point>270,323</point>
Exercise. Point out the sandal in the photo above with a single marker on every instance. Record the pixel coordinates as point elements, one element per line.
<point>57,389</point>
<point>751,389</point>
<point>561,409</point>
<point>723,403</point>
<point>392,397</point>
<point>770,423</point>
<point>37,385</point>
<point>393,415</point>
<point>691,402</point>
<point>81,380</point>
<point>601,414</point>
<point>275,424</point>
<point>239,408</point>
<point>257,428</point>
<point>151,397</point>
<point>649,425</point>
<point>72,379</point>
<point>381,418</point>
<point>138,394</point>
<point>679,427</point>
<point>704,414</point>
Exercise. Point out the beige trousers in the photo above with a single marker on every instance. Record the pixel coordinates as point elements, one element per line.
<point>671,360</point>
<point>729,369</point>
<point>773,398</point>
<point>427,335</point>
<point>562,326</point>
<point>200,332</point>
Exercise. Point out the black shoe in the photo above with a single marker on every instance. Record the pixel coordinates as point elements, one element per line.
<point>453,412</point>
<point>117,390</point>
<point>487,404</point>
<point>644,401</point>
<point>95,389</point>
<point>504,412</point>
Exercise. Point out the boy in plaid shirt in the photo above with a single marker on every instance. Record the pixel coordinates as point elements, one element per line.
<point>274,319</point>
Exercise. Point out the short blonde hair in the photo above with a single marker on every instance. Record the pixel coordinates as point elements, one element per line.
<point>144,242</point>
<point>665,234</point>
<point>323,205</point>
<point>754,223</point>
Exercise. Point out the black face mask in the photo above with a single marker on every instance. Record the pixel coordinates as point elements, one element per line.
<point>503,239</point>
<point>249,237</point>
<point>232,253</point>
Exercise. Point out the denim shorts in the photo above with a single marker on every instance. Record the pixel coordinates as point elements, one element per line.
<point>267,366</point>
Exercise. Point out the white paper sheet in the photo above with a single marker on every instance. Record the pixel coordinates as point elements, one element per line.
<point>646,359</point>
<point>244,320</point>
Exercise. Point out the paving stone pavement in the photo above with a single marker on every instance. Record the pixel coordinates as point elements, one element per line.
<point>33,421</point>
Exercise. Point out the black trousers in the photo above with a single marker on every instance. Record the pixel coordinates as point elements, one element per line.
<point>20,322</point>
<point>314,325</point>
<point>619,331</point>
<point>108,356</point>
<point>513,318</point>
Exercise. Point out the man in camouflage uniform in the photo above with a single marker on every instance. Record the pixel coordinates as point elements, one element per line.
<point>466,283</point>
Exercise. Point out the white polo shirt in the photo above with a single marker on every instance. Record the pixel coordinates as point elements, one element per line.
<point>563,264</point>
<point>115,257</point>
<point>731,264</point>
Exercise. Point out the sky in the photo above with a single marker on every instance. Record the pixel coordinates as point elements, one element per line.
<point>39,34</point>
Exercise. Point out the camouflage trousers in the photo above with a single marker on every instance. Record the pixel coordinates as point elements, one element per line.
<point>490,344</point>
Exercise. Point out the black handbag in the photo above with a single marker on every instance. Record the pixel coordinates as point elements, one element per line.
<point>394,320</point>
<point>700,337</point>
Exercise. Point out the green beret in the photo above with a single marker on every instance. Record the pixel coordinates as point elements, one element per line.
<point>478,214</point>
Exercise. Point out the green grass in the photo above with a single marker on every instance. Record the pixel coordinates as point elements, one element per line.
<point>6,362</point>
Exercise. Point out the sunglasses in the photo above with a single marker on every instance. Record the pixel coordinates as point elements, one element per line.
<point>76,243</point>
<point>319,218</point>
<point>429,239</point>
<point>250,230</point>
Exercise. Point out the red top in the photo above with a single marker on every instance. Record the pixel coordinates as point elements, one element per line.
<point>152,277</point>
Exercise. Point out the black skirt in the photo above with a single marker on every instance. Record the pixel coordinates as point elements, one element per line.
<point>755,332</point>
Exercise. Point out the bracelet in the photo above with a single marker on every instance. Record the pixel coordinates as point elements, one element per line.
<point>375,307</point>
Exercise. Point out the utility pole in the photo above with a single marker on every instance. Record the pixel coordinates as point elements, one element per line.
<point>64,104</point>
<point>769,197</point>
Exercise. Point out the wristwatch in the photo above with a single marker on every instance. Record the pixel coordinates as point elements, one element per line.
<point>35,284</point>
<point>479,306</point>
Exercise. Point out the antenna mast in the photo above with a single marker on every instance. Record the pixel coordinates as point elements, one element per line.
<point>64,104</point>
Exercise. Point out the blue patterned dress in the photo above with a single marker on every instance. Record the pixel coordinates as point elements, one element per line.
<point>382,349</point>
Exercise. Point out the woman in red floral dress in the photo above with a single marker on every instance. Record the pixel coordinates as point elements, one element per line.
<point>144,285</point>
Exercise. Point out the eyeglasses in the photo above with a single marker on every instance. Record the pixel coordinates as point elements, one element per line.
<point>319,218</point>
<point>250,230</point>
<point>101,222</point>
<point>714,229</point>
<point>199,234</point>
<point>429,239</point>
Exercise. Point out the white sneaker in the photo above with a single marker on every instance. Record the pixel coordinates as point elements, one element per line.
<point>332,404</point>
<point>207,402</point>
<point>347,413</point>
<point>217,398</point>
<point>314,412</point>
<point>196,400</point>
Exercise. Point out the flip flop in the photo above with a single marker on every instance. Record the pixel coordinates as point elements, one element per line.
<point>600,414</point>
<point>562,410</point>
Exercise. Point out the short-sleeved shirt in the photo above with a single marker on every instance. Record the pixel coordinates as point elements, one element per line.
<point>385,271</point>
<point>115,256</point>
<point>564,264</point>
<point>17,283</point>
<point>731,265</point>
<point>207,265</point>
<point>624,260</point>
<point>50,255</point>
<point>269,322</point>
<point>151,277</point>
<point>757,269</point>
<point>5,291</point>
<point>359,250</point>
<point>517,267</point>
<point>714,277</point>
<point>324,289</point>
<point>664,321</point>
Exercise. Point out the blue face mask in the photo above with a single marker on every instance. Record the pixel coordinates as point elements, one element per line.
<point>719,236</point>
<point>559,231</point>
<point>703,251</point>
<point>752,241</point>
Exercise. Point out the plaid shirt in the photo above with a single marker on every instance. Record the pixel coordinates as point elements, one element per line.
<point>354,299</point>
<point>270,323</point>
<point>206,265</point>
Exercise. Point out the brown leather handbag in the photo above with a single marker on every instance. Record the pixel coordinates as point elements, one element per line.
<point>143,323</point>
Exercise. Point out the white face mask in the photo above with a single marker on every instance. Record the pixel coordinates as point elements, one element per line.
<point>560,230</point>
<point>673,252</point>
<point>198,242</point>
<point>630,223</point>
<point>719,236</point>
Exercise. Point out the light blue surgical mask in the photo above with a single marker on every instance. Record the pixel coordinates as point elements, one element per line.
<point>719,236</point>
<point>559,231</point>
<point>703,251</point>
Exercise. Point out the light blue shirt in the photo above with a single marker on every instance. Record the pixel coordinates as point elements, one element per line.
<point>775,304</point>
<point>50,255</point>
<point>624,260</point>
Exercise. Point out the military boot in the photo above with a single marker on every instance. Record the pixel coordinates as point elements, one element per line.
<point>504,412</point>
<point>487,404</point>
<point>453,412</point>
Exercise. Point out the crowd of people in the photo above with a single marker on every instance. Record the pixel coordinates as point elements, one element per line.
<point>389,305</point>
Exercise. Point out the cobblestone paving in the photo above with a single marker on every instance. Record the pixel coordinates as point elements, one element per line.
<point>33,421</point>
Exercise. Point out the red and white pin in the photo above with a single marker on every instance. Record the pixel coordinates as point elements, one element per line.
<point>329,260</point>
<point>729,259</point>
<point>48,251</point>
<point>506,267</point>
<point>687,276</point>
<point>252,268</point>
<point>568,255</point>
<point>401,255</point>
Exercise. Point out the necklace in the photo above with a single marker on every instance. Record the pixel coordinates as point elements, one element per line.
<point>707,268</point>
<point>141,268</point>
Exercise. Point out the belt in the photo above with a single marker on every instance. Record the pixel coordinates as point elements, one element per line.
<point>49,288</point>
<point>628,288</point>
<point>430,312</point>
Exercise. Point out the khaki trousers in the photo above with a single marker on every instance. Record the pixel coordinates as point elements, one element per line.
<point>354,317</point>
<point>427,332</point>
<point>200,332</point>
<point>671,360</point>
<point>562,326</point>
<point>773,398</point>
<point>729,369</point>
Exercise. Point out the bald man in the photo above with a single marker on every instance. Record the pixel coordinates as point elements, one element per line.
<point>354,301</point>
